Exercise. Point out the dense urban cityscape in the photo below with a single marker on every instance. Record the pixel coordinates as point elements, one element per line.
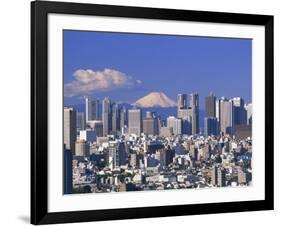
<point>111,147</point>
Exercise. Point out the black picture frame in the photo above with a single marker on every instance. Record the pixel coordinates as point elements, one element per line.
<point>39,112</point>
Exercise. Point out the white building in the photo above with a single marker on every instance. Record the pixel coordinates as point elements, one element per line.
<point>82,148</point>
<point>248,108</point>
<point>92,109</point>
<point>175,124</point>
<point>134,121</point>
<point>97,126</point>
<point>88,135</point>
<point>226,116</point>
<point>69,128</point>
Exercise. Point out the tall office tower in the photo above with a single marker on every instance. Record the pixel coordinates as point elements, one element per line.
<point>211,126</point>
<point>240,114</point>
<point>226,116</point>
<point>175,124</point>
<point>186,116</point>
<point>67,172</point>
<point>97,126</point>
<point>184,113</point>
<point>182,106</point>
<point>218,176</point>
<point>182,101</point>
<point>135,121</point>
<point>248,108</point>
<point>95,110</point>
<point>69,128</point>
<point>150,124</point>
<point>160,123</point>
<point>187,126</point>
<point>194,104</point>
<point>218,113</point>
<point>194,100</point>
<point>106,116</point>
<point>193,115</point>
<point>210,105</point>
<point>88,108</point>
<point>115,118</point>
<point>117,154</point>
<point>123,118</point>
<point>82,148</point>
<point>80,121</point>
<point>92,109</point>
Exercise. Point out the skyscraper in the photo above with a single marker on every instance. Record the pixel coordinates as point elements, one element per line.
<point>210,105</point>
<point>183,113</point>
<point>240,114</point>
<point>150,124</point>
<point>194,105</point>
<point>106,116</point>
<point>69,128</point>
<point>182,101</point>
<point>182,106</point>
<point>80,121</point>
<point>91,109</point>
<point>115,118</point>
<point>82,148</point>
<point>194,117</point>
<point>135,121</point>
<point>226,116</point>
<point>210,126</point>
<point>97,126</point>
<point>67,171</point>
<point>175,124</point>
<point>194,100</point>
<point>123,118</point>
<point>187,126</point>
<point>248,108</point>
<point>95,110</point>
<point>117,155</point>
<point>88,108</point>
<point>218,113</point>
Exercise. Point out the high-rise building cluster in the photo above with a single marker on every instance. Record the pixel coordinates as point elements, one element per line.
<point>117,147</point>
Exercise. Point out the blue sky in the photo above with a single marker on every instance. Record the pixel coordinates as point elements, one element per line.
<point>126,67</point>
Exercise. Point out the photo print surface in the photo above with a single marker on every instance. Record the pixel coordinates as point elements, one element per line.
<point>155,112</point>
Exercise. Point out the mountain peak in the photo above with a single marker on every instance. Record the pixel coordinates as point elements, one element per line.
<point>155,99</point>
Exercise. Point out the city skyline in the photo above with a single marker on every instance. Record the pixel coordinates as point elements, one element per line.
<point>121,140</point>
<point>228,112</point>
<point>146,63</point>
<point>202,105</point>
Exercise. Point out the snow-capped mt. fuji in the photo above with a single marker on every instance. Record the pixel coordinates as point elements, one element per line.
<point>155,99</point>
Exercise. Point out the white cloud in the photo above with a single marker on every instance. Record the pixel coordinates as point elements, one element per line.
<point>90,81</point>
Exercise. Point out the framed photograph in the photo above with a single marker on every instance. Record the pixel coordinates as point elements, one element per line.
<point>144,112</point>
